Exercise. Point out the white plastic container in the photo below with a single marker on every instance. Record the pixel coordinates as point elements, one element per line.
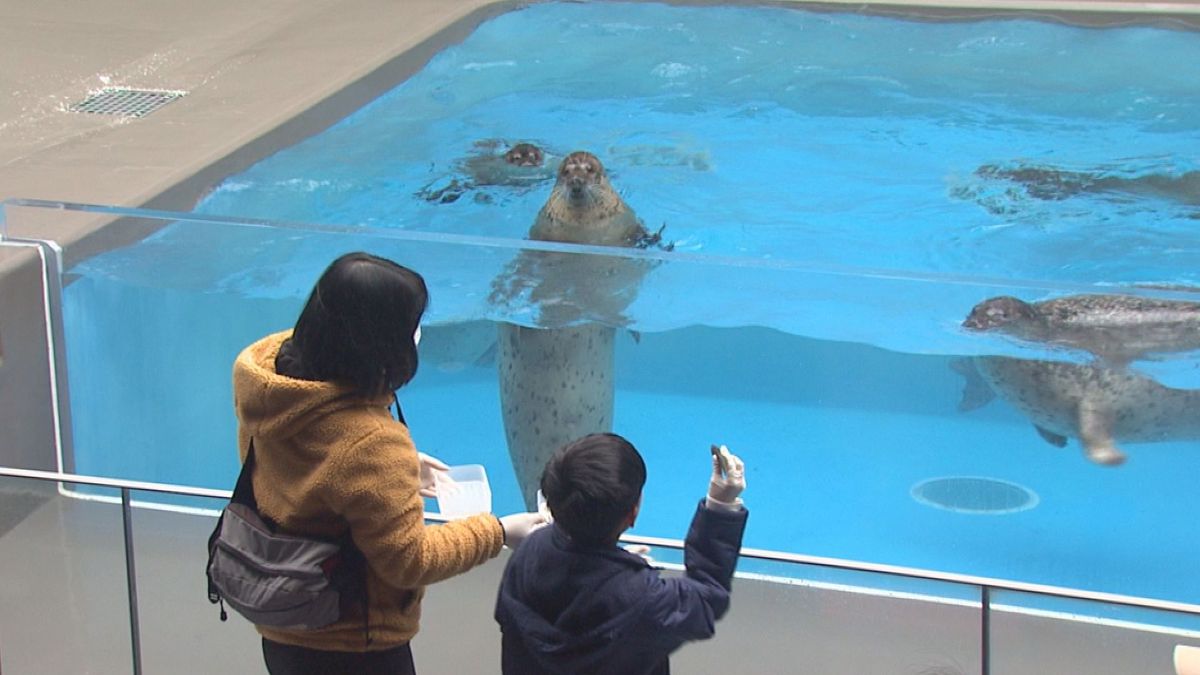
<point>463,491</point>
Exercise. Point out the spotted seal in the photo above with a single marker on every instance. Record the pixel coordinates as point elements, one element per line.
<point>583,208</point>
<point>1116,328</point>
<point>521,166</point>
<point>1097,404</point>
<point>556,379</point>
<point>1049,183</point>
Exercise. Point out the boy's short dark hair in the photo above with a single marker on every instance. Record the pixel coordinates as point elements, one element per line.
<point>591,485</point>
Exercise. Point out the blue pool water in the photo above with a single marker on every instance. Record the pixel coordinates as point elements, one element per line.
<point>840,189</point>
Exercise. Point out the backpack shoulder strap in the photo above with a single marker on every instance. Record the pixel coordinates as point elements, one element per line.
<point>243,490</point>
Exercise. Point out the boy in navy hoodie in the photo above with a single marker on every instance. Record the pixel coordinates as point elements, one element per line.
<point>573,602</point>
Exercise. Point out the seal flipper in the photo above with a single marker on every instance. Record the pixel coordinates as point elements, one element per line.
<point>1095,432</point>
<point>1057,440</point>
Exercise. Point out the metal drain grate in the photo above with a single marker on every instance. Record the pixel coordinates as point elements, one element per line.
<point>125,102</point>
<point>973,494</point>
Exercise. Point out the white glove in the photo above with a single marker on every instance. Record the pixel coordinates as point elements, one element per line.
<point>518,526</point>
<point>728,479</point>
<point>430,468</point>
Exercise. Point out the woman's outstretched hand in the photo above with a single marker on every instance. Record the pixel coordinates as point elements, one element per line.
<point>430,467</point>
<point>518,526</point>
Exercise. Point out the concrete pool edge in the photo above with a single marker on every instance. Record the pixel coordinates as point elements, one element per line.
<point>225,146</point>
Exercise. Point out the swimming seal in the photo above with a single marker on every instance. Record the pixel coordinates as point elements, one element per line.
<point>524,154</point>
<point>556,379</point>
<point>1097,404</point>
<point>521,166</point>
<point>1116,328</point>
<point>1049,183</point>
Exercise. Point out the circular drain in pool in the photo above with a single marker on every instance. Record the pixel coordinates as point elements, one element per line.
<point>974,494</point>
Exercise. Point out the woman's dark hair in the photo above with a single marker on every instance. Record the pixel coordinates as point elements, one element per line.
<point>357,327</point>
<point>591,485</point>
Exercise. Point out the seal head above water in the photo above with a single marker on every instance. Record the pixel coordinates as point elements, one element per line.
<point>583,208</point>
<point>524,154</point>
<point>520,167</point>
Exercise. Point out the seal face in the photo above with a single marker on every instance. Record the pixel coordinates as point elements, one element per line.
<point>1116,328</point>
<point>524,154</point>
<point>998,313</point>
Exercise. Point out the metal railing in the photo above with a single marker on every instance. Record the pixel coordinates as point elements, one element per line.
<point>985,585</point>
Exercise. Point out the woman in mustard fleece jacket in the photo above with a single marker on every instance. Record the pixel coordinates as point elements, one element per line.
<point>331,459</point>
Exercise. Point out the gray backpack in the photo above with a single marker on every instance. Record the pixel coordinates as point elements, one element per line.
<point>276,579</point>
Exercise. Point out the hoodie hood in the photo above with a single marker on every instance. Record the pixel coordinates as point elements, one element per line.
<point>576,607</point>
<point>270,405</point>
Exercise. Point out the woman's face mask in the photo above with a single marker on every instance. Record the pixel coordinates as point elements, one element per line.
<point>417,336</point>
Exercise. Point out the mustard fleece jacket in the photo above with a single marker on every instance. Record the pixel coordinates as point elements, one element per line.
<point>327,460</point>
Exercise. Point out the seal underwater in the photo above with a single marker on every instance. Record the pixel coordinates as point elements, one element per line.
<point>1098,405</point>
<point>556,381</point>
<point>1116,328</point>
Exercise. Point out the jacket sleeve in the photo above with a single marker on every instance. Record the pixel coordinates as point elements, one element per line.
<point>687,607</point>
<point>375,486</point>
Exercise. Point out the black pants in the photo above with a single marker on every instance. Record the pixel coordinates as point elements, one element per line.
<point>288,660</point>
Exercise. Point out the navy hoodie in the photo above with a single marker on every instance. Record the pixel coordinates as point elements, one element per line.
<point>566,609</point>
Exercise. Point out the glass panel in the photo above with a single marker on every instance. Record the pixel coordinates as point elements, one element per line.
<point>65,603</point>
<point>874,426</point>
<point>788,618</point>
<point>1039,634</point>
<point>179,626</point>
<point>25,376</point>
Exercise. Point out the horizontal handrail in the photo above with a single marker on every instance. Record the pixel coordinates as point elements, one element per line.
<point>752,553</point>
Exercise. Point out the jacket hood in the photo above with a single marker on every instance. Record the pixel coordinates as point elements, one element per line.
<point>270,405</point>
<point>588,630</point>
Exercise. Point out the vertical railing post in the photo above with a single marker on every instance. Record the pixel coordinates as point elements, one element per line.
<point>985,623</point>
<point>135,637</point>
